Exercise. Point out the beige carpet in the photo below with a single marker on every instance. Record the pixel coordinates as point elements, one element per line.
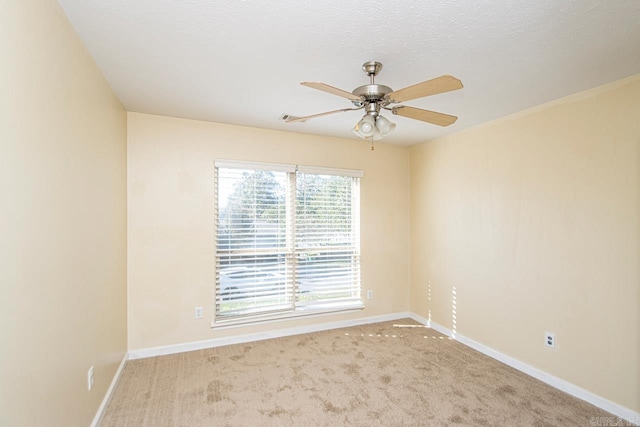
<point>378,374</point>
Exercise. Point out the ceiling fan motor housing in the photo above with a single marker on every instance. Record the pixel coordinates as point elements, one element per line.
<point>372,93</point>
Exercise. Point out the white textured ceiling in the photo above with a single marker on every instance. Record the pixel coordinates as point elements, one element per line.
<point>241,61</point>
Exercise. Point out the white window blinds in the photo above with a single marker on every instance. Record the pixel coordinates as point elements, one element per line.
<point>327,246</point>
<point>253,274</point>
<point>286,242</point>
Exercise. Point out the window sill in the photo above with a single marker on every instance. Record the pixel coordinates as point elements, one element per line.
<point>280,317</point>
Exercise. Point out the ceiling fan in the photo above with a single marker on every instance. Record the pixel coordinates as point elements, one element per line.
<point>374,97</point>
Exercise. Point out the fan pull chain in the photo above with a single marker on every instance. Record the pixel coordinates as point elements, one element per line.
<point>372,147</point>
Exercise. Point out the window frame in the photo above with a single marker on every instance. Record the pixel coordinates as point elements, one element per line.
<point>296,310</point>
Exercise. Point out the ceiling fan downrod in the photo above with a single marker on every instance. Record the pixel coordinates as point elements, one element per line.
<point>372,68</point>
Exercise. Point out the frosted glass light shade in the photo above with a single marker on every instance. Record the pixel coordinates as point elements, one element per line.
<point>384,125</point>
<point>373,127</point>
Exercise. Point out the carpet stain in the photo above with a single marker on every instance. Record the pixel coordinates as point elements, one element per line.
<point>383,363</point>
<point>506,390</point>
<point>374,415</point>
<point>213,359</point>
<point>359,355</point>
<point>274,412</point>
<point>385,379</point>
<point>330,407</point>
<point>480,422</point>
<point>352,369</point>
<point>237,357</point>
<point>328,371</point>
<point>456,419</point>
<point>217,391</point>
<point>355,403</point>
<point>459,393</point>
<point>526,405</point>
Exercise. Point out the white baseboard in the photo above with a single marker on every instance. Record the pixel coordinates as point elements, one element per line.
<point>430,324</point>
<point>259,336</point>
<point>630,416</point>
<point>107,396</point>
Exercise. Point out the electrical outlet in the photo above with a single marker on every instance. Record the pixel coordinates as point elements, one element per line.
<point>550,340</point>
<point>90,379</point>
<point>369,294</point>
<point>198,313</point>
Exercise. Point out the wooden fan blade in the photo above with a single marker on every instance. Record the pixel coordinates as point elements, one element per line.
<point>433,117</point>
<point>332,90</point>
<point>294,119</point>
<point>430,87</point>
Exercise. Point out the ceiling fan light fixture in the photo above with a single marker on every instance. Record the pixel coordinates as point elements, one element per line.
<point>366,127</point>
<point>384,125</point>
<point>373,127</point>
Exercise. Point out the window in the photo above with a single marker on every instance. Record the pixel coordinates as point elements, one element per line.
<point>287,241</point>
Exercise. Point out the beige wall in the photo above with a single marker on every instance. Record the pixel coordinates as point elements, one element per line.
<point>170,234</point>
<point>62,221</point>
<point>535,220</point>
